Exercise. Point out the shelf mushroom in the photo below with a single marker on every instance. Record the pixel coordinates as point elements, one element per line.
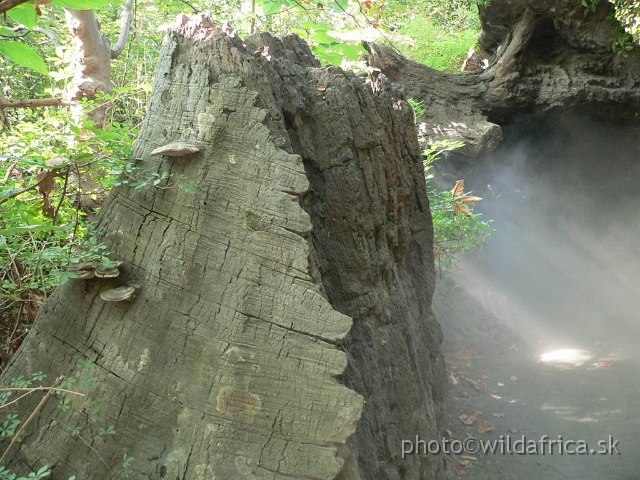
<point>176,149</point>
<point>119,294</point>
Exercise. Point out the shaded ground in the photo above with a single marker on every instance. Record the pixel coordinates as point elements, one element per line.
<point>497,373</point>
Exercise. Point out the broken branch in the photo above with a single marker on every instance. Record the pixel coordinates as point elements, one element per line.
<point>35,102</point>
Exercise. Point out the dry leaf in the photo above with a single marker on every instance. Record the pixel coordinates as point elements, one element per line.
<point>46,182</point>
<point>465,463</point>
<point>457,208</point>
<point>461,471</point>
<point>469,419</point>
<point>454,380</point>
<point>470,199</point>
<point>605,363</point>
<point>497,415</point>
<point>464,393</point>
<point>449,433</point>
<point>485,427</point>
<point>458,189</point>
<point>321,87</point>
<point>514,378</point>
<point>513,430</point>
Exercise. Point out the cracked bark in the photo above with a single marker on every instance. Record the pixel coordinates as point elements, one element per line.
<point>226,365</point>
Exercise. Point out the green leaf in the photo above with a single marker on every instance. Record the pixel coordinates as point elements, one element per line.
<point>24,14</point>
<point>351,52</point>
<point>329,57</point>
<point>83,4</point>
<point>24,55</point>
<point>339,5</point>
<point>270,7</point>
<point>324,38</point>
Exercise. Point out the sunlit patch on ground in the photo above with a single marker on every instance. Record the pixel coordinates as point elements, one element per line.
<point>566,357</point>
<point>573,413</point>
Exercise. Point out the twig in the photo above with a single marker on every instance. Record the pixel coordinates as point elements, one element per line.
<point>195,10</point>
<point>393,45</point>
<point>22,389</point>
<point>33,415</point>
<point>9,172</point>
<point>25,190</point>
<point>36,102</point>
<point>62,197</point>
<point>96,452</point>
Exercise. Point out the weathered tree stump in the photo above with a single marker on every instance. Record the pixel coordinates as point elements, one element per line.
<point>306,250</point>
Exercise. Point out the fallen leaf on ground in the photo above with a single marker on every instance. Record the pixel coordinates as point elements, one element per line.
<point>605,363</point>
<point>464,393</point>
<point>469,419</point>
<point>514,378</point>
<point>497,415</point>
<point>449,433</point>
<point>454,380</point>
<point>461,471</point>
<point>485,427</point>
<point>513,430</point>
<point>465,463</point>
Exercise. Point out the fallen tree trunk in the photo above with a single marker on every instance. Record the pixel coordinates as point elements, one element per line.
<point>544,55</point>
<point>305,250</point>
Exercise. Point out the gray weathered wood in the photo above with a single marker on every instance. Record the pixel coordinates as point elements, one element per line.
<point>310,211</point>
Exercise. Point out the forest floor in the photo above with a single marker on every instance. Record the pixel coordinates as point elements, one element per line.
<point>524,387</point>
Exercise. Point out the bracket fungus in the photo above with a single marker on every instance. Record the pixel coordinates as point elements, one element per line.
<point>119,294</point>
<point>85,274</point>
<point>177,149</point>
<point>107,272</point>
<point>89,270</point>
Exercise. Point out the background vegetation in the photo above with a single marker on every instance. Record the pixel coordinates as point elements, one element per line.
<point>56,167</point>
<point>46,154</point>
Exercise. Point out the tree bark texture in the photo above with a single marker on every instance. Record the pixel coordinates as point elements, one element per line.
<point>294,284</point>
<point>545,55</point>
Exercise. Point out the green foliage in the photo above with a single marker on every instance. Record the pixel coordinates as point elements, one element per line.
<point>590,6</point>
<point>126,466</point>
<point>11,424</point>
<point>24,55</point>
<point>418,107</point>
<point>437,46</point>
<point>624,15</point>
<point>456,228</point>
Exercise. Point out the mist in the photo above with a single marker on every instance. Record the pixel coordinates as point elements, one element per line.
<point>545,318</point>
<point>564,197</point>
